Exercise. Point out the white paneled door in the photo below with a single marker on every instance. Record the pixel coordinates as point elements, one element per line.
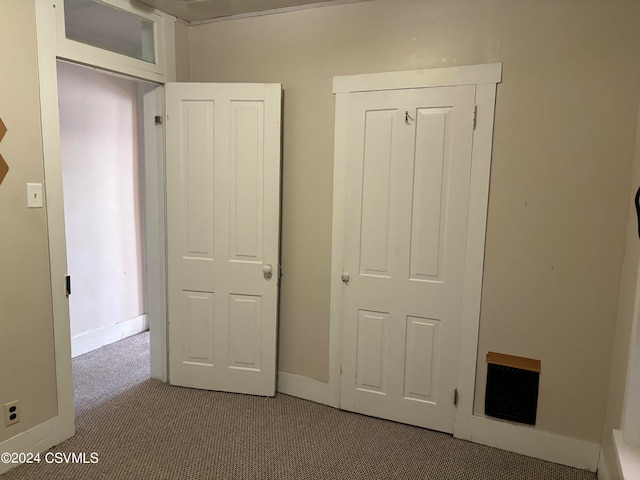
<point>223,206</point>
<point>407,197</point>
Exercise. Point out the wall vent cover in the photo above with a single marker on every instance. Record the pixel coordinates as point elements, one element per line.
<point>512,388</point>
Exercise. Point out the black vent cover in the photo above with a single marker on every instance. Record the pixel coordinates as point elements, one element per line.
<point>512,392</point>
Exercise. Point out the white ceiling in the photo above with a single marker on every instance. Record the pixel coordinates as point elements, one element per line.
<point>198,10</point>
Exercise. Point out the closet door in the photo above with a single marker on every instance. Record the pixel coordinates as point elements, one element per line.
<point>407,197</point>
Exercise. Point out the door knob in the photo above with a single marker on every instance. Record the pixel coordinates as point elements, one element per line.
<point>267,269</point>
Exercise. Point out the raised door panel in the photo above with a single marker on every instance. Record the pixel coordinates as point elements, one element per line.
<point>379,127</point>
<point>245,320</point>
<point>429,190</point>
<point>197,175</point>
<point>247,180</point>
<point>198,346</point>
<point>421,359</point>
<point>371,367</point>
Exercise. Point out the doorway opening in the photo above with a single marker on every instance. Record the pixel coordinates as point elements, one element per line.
<point>102,151</point>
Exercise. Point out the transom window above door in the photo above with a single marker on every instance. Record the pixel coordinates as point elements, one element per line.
<point>115,35</point>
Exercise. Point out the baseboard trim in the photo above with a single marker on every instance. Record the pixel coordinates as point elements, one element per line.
<point>535,443</point>
<point>93,339</point>
<point>603,474</point>
<point>628,457</point>
<point>305,387</point>
<point>37,439</point>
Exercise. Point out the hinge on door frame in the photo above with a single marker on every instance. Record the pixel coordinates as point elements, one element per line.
<point>455,397</point>
<point>475,116</point>
<point>67,285</point>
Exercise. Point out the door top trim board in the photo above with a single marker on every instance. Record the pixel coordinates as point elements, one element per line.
<point>490,73</point>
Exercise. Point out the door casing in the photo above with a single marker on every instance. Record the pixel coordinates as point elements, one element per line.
<point>62,426</point>
<point>485,78</point>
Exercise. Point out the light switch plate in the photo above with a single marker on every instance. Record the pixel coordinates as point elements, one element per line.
<point>34,195</point>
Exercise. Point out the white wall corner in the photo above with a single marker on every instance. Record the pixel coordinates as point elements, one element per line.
<point>305,388</point>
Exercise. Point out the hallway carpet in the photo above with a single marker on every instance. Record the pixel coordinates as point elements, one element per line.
<point>144,429</point>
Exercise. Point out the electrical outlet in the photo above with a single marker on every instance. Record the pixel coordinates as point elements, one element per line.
<point>11,413</point>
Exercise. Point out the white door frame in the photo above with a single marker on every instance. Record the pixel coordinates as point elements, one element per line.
<point>62,427</point>
<point>485,78</point>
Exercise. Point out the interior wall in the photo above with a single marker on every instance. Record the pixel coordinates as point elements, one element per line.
<point>183,54</point>
<point>563,148</point>
<point>100,167</point>
<point>27,367</point>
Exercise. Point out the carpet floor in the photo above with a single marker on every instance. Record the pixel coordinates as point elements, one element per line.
<point>144,429</point>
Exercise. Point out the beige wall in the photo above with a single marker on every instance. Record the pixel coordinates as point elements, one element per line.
<point>183,55</point>
<point>564,139</point>
<point>27,370</point>
<point>564,143</point>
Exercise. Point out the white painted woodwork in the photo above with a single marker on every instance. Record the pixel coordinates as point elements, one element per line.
<point>374,239</point>
<point>429,189</point>
<point>223,194</point>
<point>198,347</point>
<point>407,197</point>
<point>244,338</point>
<point>421,358</point>
<point>371,372</point>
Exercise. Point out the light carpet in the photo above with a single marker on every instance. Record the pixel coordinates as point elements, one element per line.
<point>144,429</point>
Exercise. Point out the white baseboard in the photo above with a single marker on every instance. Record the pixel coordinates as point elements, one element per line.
<point>93,339</point>
<point>628,457</point>
<point>304,387</point>
<point>36,440</point>
<point>536,443</point>
<point>603,474</point>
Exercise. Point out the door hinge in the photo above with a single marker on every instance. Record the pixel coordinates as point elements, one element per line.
<point>67,285</point>
<point>455,397</point>
<point>475,116</point>
<point>158,120</point>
